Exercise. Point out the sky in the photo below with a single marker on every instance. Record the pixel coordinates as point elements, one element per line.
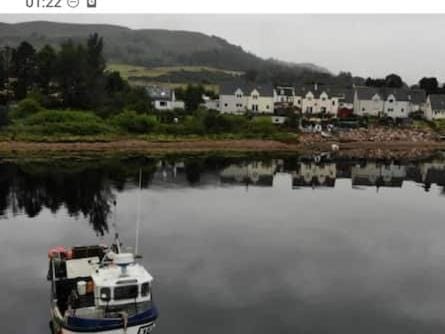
<point>366,45</point>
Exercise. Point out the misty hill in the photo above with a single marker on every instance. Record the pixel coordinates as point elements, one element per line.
<point>153,47</point>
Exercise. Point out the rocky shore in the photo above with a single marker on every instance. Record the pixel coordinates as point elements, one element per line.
<point>373,143</point>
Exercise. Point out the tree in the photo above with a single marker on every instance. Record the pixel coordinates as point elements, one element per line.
<point>375,82</point>
<point>95,71</point>
<point>429,85</point>
<point>46,62</point>
<point>193,97</point>
<point>71,74</point>
<point>393,81</point>
<point>24,69</point>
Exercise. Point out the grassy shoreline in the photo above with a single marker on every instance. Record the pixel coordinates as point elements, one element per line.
<point>95,146</point>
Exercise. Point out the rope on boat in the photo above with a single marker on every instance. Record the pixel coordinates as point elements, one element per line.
<point>124,316</point>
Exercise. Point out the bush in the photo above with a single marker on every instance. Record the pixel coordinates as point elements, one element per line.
<point>136,123</point>
<point>262,126</point>
<point>65,122</point>
<point>215,123</point>
<point>25,108</point>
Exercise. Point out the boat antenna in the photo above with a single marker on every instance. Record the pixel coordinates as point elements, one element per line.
<point>138,217</point>
<point>114,224</point>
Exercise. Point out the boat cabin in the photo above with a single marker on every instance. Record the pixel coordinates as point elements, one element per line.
<point>96,280</point>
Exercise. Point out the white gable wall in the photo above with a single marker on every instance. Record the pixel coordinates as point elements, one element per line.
<point>396,109</point>
<point>234,103</point>
<point>431,114</point>
<point>324,104</point>
<point>371,107</point>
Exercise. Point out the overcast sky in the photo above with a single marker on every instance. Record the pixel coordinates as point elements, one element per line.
<point>367,45</point>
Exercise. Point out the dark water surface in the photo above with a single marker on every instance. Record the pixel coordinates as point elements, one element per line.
<point>236,245</point>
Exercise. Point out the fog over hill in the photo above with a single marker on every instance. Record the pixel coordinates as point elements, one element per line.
<point>155,47</point>
<point>148,47</point>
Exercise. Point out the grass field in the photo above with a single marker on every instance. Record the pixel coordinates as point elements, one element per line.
<point>127,71</point>
<point>141,75</point>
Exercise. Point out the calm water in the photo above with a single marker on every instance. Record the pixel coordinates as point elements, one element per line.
<point>265,245</point>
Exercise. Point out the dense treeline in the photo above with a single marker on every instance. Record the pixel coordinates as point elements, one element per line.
<point>72,76</point>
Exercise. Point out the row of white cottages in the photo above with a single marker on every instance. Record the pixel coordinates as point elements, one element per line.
<point>240,98</point>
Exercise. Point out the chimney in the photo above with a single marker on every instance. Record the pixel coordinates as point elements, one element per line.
<point>315,86</point>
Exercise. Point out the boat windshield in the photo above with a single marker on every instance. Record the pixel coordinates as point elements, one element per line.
<point>126,292</point>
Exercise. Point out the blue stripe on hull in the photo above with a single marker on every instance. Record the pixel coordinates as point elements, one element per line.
<point>98,325</point>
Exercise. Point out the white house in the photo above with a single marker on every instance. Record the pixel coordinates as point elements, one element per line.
<point>397,103</point>
<point>435,107</point>
<point>389,102</point>
<point>377,174</point>
<point>314,175</point>
<point>346,100</point>
<point>368,101</point>
<point>164,98</point>
<point>284,96</point>
<point>317,100</point>
<point>239,98</point>
<point>209,103</point>
<point>254,173</point>
<point>418,100</point>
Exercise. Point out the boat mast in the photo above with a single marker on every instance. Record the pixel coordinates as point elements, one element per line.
<point>138,217</point>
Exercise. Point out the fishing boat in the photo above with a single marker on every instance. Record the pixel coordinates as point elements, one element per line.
<point>99,289</point>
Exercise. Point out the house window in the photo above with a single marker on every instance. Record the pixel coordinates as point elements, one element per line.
<point>390,100</point>
<point>163,103</point>
<point>225,104</point>
<point>363,109</point>
<point>255,97</point>
<point>239,95</point>
<point>267,107</point>
<point>333,102</point>
<point>323,99</point>
<point>402,110</point>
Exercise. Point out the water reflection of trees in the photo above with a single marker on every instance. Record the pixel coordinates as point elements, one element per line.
<point>83,188</point>
<point>88,188</point>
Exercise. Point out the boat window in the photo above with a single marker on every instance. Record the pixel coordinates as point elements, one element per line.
<point>105,294</point>
<point>126,292</point>
<point>144,290</point>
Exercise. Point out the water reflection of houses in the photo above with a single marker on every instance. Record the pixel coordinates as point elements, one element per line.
<point>314,175</point>
<point>255,173</point>
<point>378,175</point>
<point>182,174</point>
<point>428,173</point>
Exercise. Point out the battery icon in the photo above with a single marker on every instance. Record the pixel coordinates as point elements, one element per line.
<point>91,3</point>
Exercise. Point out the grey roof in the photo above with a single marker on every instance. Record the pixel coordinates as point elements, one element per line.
<point>300,181</point>
<point>379,181</point>
<point>416,96</point>
<point>437,101</point>
<point>400,94</point>
<point>317,90</point>
<point>347,96</point>
<point>160,93</point>
<point>229,88</point>
<point>367,93</point>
